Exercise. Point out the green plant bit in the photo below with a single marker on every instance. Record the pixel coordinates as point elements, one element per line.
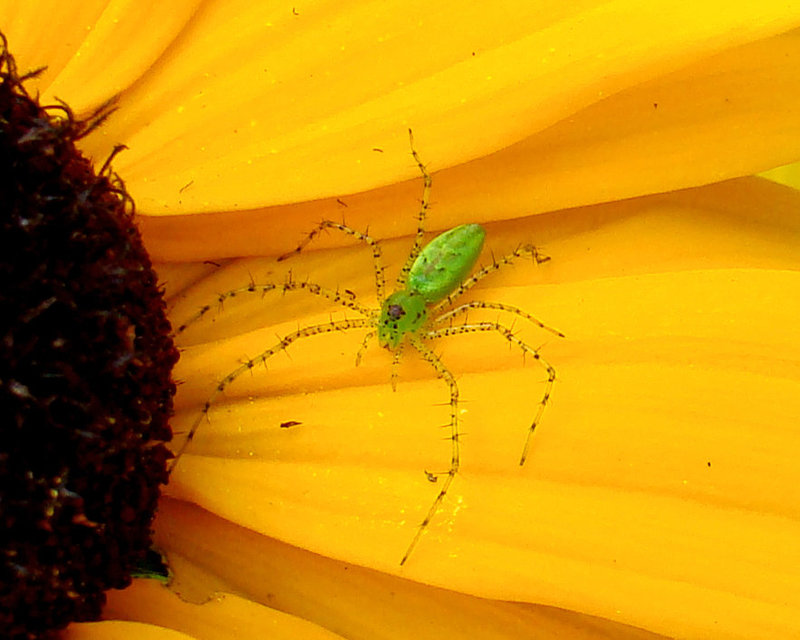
<point>420,309</point>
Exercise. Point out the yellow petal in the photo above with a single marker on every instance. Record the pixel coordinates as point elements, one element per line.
<point>718,119</point>
<point>788,174</point>
<point>221,617</point>
<point>355,602</point>
<point>120,630</point>
<point>239,111</point>
<point>92,51</point>
<point>291,122</point>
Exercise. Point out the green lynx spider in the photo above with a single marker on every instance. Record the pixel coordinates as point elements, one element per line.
<point>421,309</point>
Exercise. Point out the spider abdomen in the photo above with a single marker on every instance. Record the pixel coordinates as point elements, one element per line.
<point>445,262</point>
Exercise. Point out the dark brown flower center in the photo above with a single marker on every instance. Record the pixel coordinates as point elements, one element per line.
<point>85,373</point>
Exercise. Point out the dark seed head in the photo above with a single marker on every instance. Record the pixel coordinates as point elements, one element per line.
<point>85,373</point>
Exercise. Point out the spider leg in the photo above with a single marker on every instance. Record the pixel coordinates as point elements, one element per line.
<point>524,251</point>
<point>221,298</point>
<point>377,254</point>
<point>364,345</point>
<point>480,304</point>
<point>324,292</point>
<point>506,333</point>
<point>396,356</point>
<point>334,295</point>
<point>261,358</point>
<point>444,373</point>
<point>402,278</point>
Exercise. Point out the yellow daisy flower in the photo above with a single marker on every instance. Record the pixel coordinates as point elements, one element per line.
<point>659,498</point>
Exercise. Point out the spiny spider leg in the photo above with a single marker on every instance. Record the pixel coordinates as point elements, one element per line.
<point>402,278</point>
<point>480,304</point>
<point>396,355</point>
<point>324,292</point>
<point>526,349</point>
<point>221,298</point>
<point>261,358</point>
<point>364,345</point>
<point>334,295</point>
<point>377,254</point>
<point>455,461</point>
<point>480,274</point>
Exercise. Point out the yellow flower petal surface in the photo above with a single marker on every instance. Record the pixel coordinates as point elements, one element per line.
<point>234,110</point>
<point>358,603</point>
<point>120,630</point>
<point>221,617</point>
<point>787,174</point>
<point>289,122</point>
<point>92,51</point>
<point>717,119</point>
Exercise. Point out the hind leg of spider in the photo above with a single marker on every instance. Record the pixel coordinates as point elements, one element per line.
<point>261,358</point>
<point>525,251</point>
<point>377,254</point>
<point>444,373</point>
<point>506,333</point>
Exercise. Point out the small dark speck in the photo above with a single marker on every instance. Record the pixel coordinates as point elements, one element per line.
<point>709,463</point>
<point>655,105</point>
<point>289,423</point>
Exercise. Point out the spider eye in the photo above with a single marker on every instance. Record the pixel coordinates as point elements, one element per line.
<point>395,311</point>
